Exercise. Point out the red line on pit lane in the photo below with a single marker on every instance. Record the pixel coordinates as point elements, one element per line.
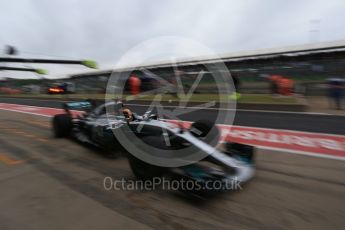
<point>313,144</point>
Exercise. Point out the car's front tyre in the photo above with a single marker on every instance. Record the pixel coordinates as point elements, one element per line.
<point>143,170</point>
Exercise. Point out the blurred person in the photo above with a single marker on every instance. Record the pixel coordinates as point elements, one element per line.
<point>274,79</point>
<point>281,85</point>
<point>134,84</point>
<point>336,92</point>
<point>237,83</point>
<point>285,86</point>
<point>173,82</point>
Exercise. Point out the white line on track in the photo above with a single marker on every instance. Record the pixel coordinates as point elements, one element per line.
<point>298,152</point>
<point>31,113</point>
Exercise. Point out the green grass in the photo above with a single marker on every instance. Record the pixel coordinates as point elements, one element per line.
<point>245,98</point>
<point>267,99</point>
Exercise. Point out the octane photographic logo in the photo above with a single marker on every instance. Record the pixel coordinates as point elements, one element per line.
<point>160,60</point>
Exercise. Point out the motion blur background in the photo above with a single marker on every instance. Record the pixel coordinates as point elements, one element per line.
<point>286,58</point>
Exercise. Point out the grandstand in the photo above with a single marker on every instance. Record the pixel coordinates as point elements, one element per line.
<point>309,65</point>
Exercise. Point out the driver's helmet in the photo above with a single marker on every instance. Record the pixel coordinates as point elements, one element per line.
<point>128,114</point>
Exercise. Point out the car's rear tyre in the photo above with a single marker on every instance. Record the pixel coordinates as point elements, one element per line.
<point>62,125</point>
<point>143,170</point>
<point>205,130</point>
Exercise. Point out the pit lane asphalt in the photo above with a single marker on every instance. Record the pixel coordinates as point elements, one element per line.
<point>49,183</point>
<point>277,120</point>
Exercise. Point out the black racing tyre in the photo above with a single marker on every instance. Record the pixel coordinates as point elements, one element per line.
<point>143,170</point>
<point>62,125</point>
<point>244,151</point>
<point>206,131</point>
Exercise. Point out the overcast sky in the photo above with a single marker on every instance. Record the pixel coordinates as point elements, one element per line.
<point>104,30</point>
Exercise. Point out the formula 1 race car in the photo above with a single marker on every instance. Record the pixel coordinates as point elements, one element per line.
<point>99,126</point>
